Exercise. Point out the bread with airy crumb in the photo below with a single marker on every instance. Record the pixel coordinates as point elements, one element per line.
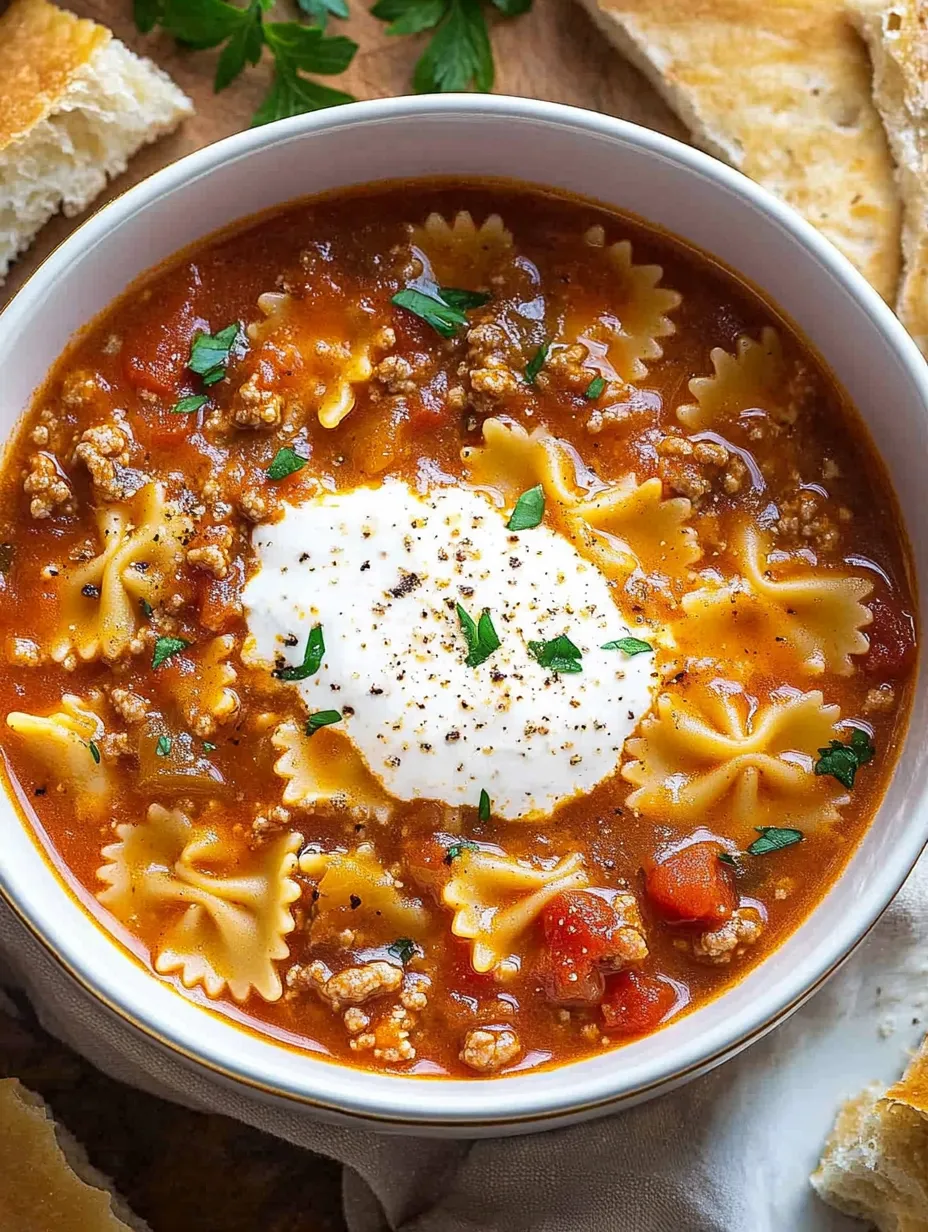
<point>46,1181</point>
<point>897,37</point>
<point>75,105</point>
<point>875,1162</point>
<point>781,90</point>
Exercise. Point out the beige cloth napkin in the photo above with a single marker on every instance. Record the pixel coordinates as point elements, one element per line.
<point>730,1152</point>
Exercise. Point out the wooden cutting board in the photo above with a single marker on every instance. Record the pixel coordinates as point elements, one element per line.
<point>553,53</point>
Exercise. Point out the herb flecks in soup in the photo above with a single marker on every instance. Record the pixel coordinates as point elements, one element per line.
<point>459,628</point>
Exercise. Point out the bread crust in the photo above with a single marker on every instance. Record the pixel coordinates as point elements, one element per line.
<point>781,90</point>
<point>42,49</point>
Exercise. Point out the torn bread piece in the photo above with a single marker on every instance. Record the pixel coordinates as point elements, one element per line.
<point>781,90</point>
<point>46,1181</point>
<point>875,1162</point>
<point>75,105</point>
<point>898,40</point>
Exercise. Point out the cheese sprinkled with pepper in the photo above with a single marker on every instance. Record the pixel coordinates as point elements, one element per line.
<point>383,571</point>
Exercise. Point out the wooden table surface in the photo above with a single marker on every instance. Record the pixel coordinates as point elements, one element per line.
<point>553,53</point>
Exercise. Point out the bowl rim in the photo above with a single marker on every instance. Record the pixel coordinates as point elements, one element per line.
<point>334,1088</point>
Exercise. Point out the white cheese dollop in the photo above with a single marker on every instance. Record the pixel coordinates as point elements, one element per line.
<point>381,570</point>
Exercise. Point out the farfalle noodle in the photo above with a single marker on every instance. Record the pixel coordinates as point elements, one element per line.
<point>754,378</point>
<point>630,526</point>
<point>222,910</point>
<point>326,769</point>
<point>64,742</point>
<point>496,898</point>
<point>816,615</point>
<point>355,890</point>
<point>511,460</point>
<point>699,759</point>
<point>142,547</point>
<point>461,247</point>
<point>207,695</point>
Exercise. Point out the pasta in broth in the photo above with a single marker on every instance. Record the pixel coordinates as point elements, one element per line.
<point>473,628</point>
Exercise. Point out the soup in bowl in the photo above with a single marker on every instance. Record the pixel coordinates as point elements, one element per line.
<point>454,627</point>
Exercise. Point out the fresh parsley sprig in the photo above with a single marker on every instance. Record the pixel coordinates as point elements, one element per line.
<point>243,34</point>
<point>481,636</point>
<point>628,645</point>
<point>312,658</point>
<point>842,761</point>
<point>559,654</point>
<point>459,55</point>
<point>444,308</point>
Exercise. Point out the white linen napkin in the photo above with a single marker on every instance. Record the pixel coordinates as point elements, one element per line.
<point>730,1152</point>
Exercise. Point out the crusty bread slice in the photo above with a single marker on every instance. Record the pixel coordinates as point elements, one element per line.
<point>75,105</point>
<point>897,36</point>
<point>875,1162</point>
<point>781,90</point>
<point>46,1182</point>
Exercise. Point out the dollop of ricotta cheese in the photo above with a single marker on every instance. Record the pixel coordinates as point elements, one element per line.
<point>382,571</point>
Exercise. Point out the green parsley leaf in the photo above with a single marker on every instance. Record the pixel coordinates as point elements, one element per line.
<point>244,47</point>
<point>146,14</point>
<point>628,645</point>
<point>94,751</point>
<point>529,510</point>
<point>208,748</point>
<point>512,8</point>
<point>410,16</point>
<point>303,49</point>
<point>163,747</point>
<point>727,858</point>
<point>147,609</point>
<point>312,658</point>
<point>403,949</point>
<point>842,761</point>
<point>210,353</point>
<point>481,638</point>
<point>558,655</point>
<point>459,55</point>
<point>454,297</point>
<point>322,718</point>
<point>595,388</point>
<point>483,809</point>
<point>773,838</point>
<point>536,363</point>
<point>443,318</point>
<point>205,23</point>
<point>286,462</point>
<point>458,849</point>
<point>188,405</point>
<point>165,647</point>
<point>319,11</point>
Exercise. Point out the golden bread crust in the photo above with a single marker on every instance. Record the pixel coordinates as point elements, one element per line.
<point>42,48</point>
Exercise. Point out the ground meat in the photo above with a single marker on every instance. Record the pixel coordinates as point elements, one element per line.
<point>391,1037</point>
<point>212,550</point>
<point>114,745</point>
<point>269,823</point>
<point>83,390</point>
<point>131,707</point>
<point>23,652</point>
<point>356,1020</point>
<point>252,504</point>
<point>721,944</point>
<point>491,366</point>
<point>809,519</point>
<point>47,486</point>
<point>564,369</point>
<point>353,986</point>
<point>48,433</point>
<point>695,468</point>
<point>628,944</point>
<point>256,407</point>
<point>395,374</point>
<point>881,700</point>
<point>487,1049</point>
<point>104,450</point>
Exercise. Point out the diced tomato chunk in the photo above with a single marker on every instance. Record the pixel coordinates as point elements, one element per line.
<point>221,598</point>
<point>156,350</point>
<point>692,884</point>
<point>579,928</point>
<point>892,640</point>
<point>635,1003</point>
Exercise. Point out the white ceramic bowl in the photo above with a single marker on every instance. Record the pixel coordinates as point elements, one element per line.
<point>621,165</point>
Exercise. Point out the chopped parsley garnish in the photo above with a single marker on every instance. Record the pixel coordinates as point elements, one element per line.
<point>595,388</point>
<point>312,658</point>
<point>322,718</point>
<point>147,609</point>
<point>536,363</point>
<point>483,808</point>
<point>773,838</point>
<point>210,353</point>
<point>286,462</point>
<point>481,637</point>
<point>727,858</point>
<point>403,949</point>
<point>842,761</point>
<point>188,405</point>
<point>458,849</point>
<point>296,49</point>
<point>208,748</point>
<point>165,647</point>
<point>529,510</point>
<point>163,747</point>
<point>628,645</point>
<point>94,751</point>
<point>558,655</point>
<point>444,308</point>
